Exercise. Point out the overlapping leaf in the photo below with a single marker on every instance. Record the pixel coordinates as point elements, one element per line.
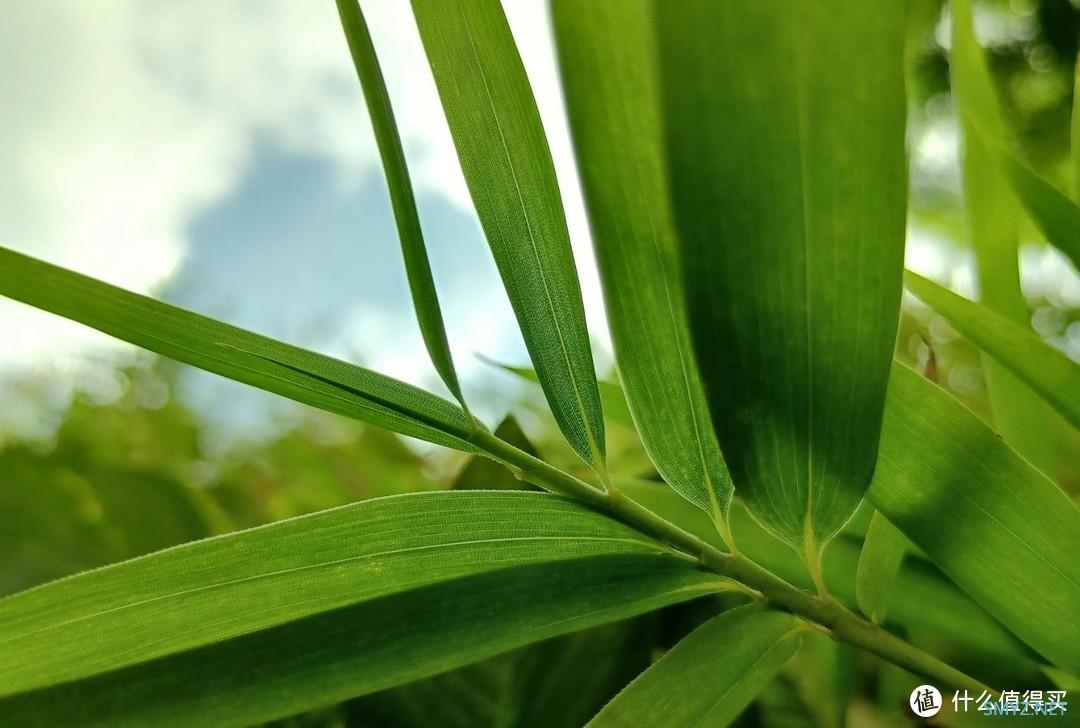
<point>607,55</point>
<point>221,588</point>
<point>707,679</point>
<point>785,135</point>
<point>1043,368</point>
<point>314,379</point>
<point>993,523</point>
<point>507,164</point>
<point>991,220</point>
<point>365,647</point>
<point>417,266</point>
<point>879,562</point>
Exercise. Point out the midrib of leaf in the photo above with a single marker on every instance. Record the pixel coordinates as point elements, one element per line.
<point>596,453</point>
<point>324,564</point>
<point>750,671</point>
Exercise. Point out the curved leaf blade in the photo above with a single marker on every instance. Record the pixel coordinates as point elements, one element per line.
<point>785,135</point>
<point>609,74</point>
<point>326,658</point>
<point>417,266</point>
<point>1050,373</point>
<point>507,164</point>
<point>993,523</point>
<point>301,375</point>
<point>707,679</point>
<point>879,563</point>
<point>186,597</point>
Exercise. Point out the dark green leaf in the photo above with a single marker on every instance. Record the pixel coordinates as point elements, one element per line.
<point>785,134</point>
<point>1046,370</point>
<point>507,164</point>
<point>314,379</point>
<point>362,648</point>
<point>483,473</point>
<point>995,525</point>
<point>196,594</point>
<point>707,679</point>
<point>417,266</point>
<point>879,562</point>
<point>609,73</point>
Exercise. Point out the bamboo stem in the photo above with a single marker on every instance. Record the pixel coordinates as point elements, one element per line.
<point>823,610</point>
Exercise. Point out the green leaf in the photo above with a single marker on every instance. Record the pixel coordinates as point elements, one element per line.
<point>785,135</point>
<point>707,679</point>
<point>507,164</point>
<point>484,473</point>
<point>307,377</point>
<point>186,597</point>
<point>879,562</point>
<point>418,268</point>
<point>993,523</point>
<point>991,218</point>
<point>362,648</point>
<point>1050,373</point>
<point>609,74</point>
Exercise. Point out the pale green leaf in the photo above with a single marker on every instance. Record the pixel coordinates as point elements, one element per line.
<point>879,562</point>
<point>993,523</point>
<point>707,679</point>
<point>507,164</point>
<point>1050,373</point>
<point>417,267</point>
<point>188,596</point>
<point>785,131</point>
<point>607,56</point>
<point>362,648</point>
<point>991,219</point>
<point>314,379</point>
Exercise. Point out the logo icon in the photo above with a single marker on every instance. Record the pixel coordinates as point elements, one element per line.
<point>925,701</point>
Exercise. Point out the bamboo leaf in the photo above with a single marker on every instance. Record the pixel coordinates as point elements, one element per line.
<point>609,74</point>
<point>417,267</point>
<point>307,377</point>
<point>1050,373</point>
<point>707,679</point>
<point>785,135</point>
<point>996,526</point>
<point>879,562</point>
<point>185,597</point>
<point>991,219</point>
<point>365,647</point>
<point>507,164</point>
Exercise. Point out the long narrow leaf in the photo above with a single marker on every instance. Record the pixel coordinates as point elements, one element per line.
<point>609,73</point>
<point>1046,370</point>
<point>314,379</point>
<point>507,164</point>
<point>991,219</point>
<point>879,562</point>
<point>995,525</point>
<point>785,131</point>
<point>188,596</point>
<point>417,266</point>
<point>707,679</point>
<point>363,648</point>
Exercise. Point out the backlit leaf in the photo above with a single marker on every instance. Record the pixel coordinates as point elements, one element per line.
<point>707,679</point>
<point>314,379</point>
<point>993,523</point>
<point>785,132</point>
<point>507,164</point>
<point>417,266</point>
<point>1045,369</point>
<point>879,562</point>
<point>186,597</point>
<point>609,72</point>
